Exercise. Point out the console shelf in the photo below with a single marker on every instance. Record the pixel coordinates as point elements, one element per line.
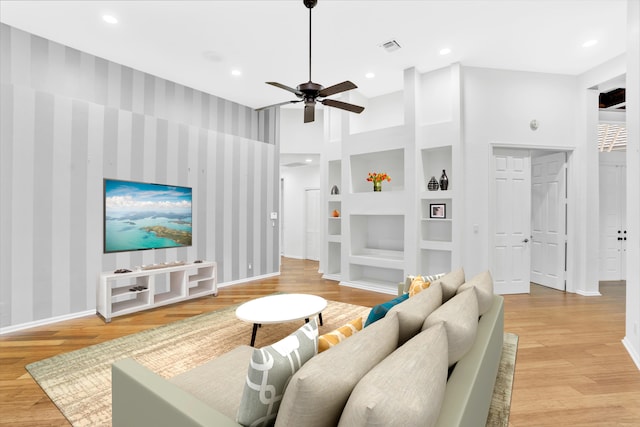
<point>117,293</point>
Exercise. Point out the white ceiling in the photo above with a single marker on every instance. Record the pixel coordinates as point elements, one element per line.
<point>198,43</point>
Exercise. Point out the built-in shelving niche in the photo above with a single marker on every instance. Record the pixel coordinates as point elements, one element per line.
<point>390,162</point>
<point>377,250</point>
<point>434,161</point>
<point>334,258</point>
<point>434,261</point>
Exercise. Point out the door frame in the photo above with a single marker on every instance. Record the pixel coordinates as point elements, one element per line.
<point>571,203</point>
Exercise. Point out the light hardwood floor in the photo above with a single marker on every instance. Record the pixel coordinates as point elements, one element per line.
<point>571,368</point>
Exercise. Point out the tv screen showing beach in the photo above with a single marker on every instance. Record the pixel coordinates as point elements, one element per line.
<point>139,216</point>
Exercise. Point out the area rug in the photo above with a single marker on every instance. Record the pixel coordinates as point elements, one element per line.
<point>501,400</point>
<point>79,382</point>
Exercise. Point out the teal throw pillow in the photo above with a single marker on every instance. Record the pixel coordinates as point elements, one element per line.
<point>380,310</point>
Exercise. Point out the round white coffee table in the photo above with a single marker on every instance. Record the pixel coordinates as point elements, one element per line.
<point>280,309</point>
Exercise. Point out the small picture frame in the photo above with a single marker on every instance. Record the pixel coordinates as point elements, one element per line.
<point>437,210</point>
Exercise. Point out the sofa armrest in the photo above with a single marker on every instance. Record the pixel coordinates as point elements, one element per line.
<point>141,398</point>
<point>470,385</point>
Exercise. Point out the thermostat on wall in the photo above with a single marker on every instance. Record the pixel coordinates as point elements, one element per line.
<point>274,215</point>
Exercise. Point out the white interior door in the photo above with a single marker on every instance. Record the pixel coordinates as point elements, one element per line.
<point>548,219</point>
<point>312,224</point>
<point>511,258</point>
<point>613,183</point>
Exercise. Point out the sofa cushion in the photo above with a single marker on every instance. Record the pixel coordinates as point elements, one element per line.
<point>482,283</point>
<point>413,312</point>
<point>380,310</point>
<point>317,393</point>
<point>218,383</point>
<point>417,374</point>
<point>269,373</point>
<point>450,283</point>
<point>460,318</point>
<point>334,337</point>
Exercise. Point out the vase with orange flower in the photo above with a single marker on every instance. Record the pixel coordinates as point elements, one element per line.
<point>377,179</point>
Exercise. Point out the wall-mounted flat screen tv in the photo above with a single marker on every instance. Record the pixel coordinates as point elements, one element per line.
<point>139,216</point>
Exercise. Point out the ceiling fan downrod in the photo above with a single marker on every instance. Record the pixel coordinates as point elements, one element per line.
<point>310,4</point>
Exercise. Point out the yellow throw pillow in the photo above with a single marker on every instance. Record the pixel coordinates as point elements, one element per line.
<point>332,338</point>
<point>418,284</point>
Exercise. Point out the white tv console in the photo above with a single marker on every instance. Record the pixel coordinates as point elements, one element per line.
<point>185,281</point>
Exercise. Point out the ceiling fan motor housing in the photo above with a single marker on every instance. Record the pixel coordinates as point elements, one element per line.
<point>310,89</point>
<point>310,3</point>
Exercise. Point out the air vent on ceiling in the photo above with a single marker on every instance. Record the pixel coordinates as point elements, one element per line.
<point>295,164</point>
<point>390,46</point>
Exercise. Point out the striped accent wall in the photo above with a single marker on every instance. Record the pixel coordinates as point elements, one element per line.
<point>68,120</point>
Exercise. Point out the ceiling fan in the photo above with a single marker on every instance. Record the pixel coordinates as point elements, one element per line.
<point>311,92</point>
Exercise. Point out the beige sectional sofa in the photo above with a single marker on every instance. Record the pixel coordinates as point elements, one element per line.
<point>428,362</point>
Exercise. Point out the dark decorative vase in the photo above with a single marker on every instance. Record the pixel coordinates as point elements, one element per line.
<point>334,190</point>
<point>377,186</point>
<point>432,185</point>
<point>444,181</point>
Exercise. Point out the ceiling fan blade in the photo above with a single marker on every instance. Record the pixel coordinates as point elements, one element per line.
<point>278,104</point>
<point>309,112</point>
<point>340,87</point>
<point>343,105</point>
<point>281,86</point>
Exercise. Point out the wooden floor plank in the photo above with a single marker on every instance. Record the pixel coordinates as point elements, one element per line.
<point>571,370</point>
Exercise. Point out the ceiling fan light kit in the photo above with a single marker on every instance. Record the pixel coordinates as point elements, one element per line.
<point>311,92</point>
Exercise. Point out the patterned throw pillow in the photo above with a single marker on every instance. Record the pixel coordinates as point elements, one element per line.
<point>332,338</point>
<point>418,284</point>
<point>269,372</point>
<point>380,310</point>
<point>430,278</point>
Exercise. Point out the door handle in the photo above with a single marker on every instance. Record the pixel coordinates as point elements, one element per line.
<point>525,240</point>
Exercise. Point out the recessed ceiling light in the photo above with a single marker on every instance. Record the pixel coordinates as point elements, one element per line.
<point>445,51</point>
<point>109,19</point>
<point>308,160</point>
<point>236,72</point>
<point>369,75</point>
<point>589,43</point>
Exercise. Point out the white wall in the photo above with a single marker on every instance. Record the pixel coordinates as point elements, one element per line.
<point>498,106</point>
<point>297,136</point>
<point>296,180</point>
<point>632,336</point>
<point>381,112</point>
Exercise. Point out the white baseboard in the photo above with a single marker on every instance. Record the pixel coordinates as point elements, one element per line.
<point>632,352</point>
<point>588,293</point>
<point>372,287</point>
<point>48,321</point>
<point>248,279</point>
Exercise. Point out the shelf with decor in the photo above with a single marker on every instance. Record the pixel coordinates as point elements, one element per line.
<point>334,225</point>
<point>334,180</point>
<point>385,235</point>
<point>437,166</point>
<point>389,162</point>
